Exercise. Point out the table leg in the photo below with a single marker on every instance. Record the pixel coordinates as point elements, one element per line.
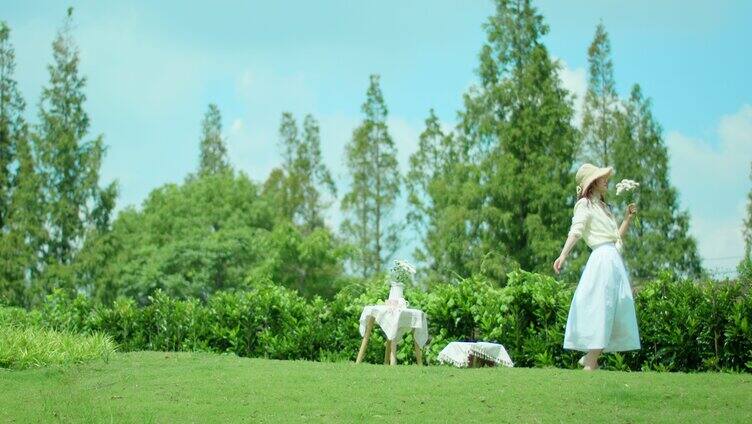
<point>364,343</point>
<point>387,349</point>
<point>393,353</point>
<point>418,352</point>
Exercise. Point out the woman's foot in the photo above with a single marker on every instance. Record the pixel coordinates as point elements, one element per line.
<point>589,367</point>
<point>589,362</point>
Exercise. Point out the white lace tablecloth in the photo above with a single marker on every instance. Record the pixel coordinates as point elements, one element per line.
<point>396,322</point>
<point>458,353</point>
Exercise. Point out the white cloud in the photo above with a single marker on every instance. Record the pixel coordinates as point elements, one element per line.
<point>405,135</point>
<point>237,126</point>
<point>263,96</point>
<point>713,181</point>
<point>575,81</point>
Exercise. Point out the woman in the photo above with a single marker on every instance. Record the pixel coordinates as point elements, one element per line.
<point>602,316</point>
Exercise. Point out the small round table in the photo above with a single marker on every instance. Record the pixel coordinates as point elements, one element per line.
<point>395,322</point>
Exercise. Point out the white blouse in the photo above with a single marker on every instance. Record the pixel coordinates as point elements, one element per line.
<point>594,223</point>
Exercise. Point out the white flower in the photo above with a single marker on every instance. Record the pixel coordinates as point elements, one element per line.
<point>404,265</point>
<point>402,271</point>
<point>626,186</point>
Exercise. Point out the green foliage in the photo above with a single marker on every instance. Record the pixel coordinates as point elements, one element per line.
<point>625,135</point>
<point>684,326</point>
<point>207,235</point>
<point>518,126</point>
<point>688,326</point>
<point>601,107</point>
<point>444,195</point>
<point>12,124</point>
<point>745,265</point>
<point>20,219</point>
<point>297,188</point>
<point>371,159</point>
<point>660,240</point>
<point>312,173</point>
<point>73,203</point>
<point>492,196</point>
<point>30,347</point>
<point>213,152</point>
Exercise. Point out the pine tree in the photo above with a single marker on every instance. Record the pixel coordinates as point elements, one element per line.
<point>745,266</point>
<point>69,166</point>
<point>519,125</point>
<point>313,176</point>
<point>26,231</point>
<point>425,164</point>
<point>20,226</point>
<point>289,140</point>
<point>213,158</point>
<point>660,240</point>
<point>442,202</point>
<point>11,120</point>
<point>299,185</point>
<point>371,158</point>
<point>285,185</point>
<point>601,103</point>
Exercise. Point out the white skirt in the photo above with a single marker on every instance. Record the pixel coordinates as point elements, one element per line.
<point>602,315</point>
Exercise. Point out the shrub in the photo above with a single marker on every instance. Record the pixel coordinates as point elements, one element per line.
<point>684,325</point>
<point>29,347</point>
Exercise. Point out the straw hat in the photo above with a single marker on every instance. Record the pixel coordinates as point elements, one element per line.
<point>589,173</point>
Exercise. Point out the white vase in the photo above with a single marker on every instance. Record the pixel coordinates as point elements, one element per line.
<point>396,291</point>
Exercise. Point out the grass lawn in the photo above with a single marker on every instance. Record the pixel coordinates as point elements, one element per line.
<point>196,387</point>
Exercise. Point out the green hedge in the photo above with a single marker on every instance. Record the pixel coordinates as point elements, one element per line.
<point>684,326</point>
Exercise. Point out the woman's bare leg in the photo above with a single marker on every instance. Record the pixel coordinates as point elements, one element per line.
<point>591,359</point>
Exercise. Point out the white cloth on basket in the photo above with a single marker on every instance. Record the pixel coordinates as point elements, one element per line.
<point>395,322</point>
<point>493,352</point>
<point>458,353</point>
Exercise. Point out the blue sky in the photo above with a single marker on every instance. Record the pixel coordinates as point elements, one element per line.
<point>154,66</point>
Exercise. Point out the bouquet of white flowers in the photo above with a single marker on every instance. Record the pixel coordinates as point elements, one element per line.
<point>628,190</point>
<point>402,275</point>
<point>402,272</point>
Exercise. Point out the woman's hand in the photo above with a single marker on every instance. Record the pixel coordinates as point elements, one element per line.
<point>559,263</point>
<point>631,210</point>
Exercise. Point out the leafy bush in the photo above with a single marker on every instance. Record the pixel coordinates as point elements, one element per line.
<point>684,326</point>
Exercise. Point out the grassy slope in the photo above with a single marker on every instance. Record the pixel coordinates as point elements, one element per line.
<point>185,387</point>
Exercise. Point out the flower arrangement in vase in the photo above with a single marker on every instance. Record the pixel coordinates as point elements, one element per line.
<point>402,275</point>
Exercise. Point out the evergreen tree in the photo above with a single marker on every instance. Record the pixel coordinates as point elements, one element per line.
<point>745,266</point>
<point>660,240</point>
<point>283,184</point>
<point>289,140</point>
<point>518,123</point>
<point>213,157</point>
<point>313,175</point>
<point>443,200</point>
<point>20,226</point>
<point>69,165</point>
<point>425,164</point>
<point>299,184</point>
<point>25,228</point>
<point>371,158</point>
<point>11,120</point>
<point>601,103</point>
